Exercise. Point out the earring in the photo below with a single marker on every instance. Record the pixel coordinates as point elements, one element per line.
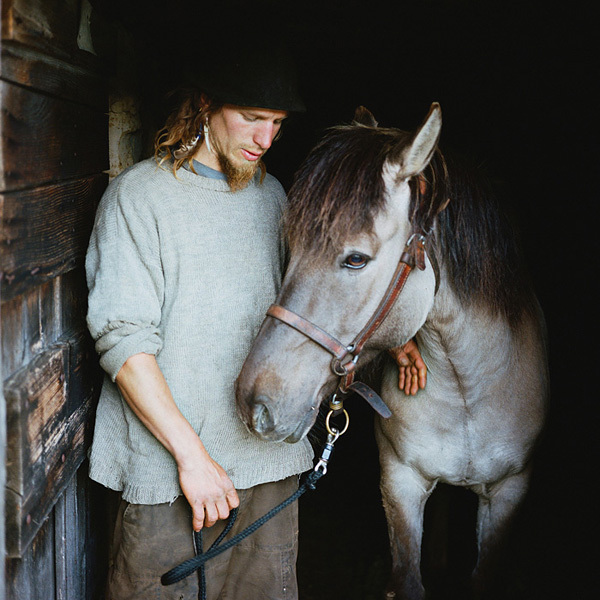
<point>206,135</point>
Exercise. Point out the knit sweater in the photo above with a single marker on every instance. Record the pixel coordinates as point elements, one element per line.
<point>184,269</point>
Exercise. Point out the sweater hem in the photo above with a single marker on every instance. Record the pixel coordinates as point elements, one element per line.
<point>142,493</point>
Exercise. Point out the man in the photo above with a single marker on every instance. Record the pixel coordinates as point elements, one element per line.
<point>183,262</point>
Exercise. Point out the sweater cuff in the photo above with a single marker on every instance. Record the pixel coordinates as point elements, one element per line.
<point>116,346</point>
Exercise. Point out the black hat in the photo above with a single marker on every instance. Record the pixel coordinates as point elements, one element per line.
<point>264,78</point>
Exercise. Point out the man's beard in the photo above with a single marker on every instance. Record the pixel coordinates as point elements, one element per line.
<point>238,177</point>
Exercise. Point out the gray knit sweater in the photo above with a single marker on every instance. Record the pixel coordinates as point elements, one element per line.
<point>183,269</point>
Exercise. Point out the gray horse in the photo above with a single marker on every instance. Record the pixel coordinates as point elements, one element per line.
<point>356,200</point>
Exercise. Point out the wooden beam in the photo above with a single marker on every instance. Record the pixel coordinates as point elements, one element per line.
<point>31,68</point>
<point>44,232</point>
<point>46,139</point>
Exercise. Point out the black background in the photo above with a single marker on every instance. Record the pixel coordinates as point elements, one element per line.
<point>516,82</point>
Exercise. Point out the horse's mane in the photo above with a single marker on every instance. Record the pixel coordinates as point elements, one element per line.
<point>479,244</point>
<point>339,189</point>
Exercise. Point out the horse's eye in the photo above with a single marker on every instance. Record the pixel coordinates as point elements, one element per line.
<point>355,261</point>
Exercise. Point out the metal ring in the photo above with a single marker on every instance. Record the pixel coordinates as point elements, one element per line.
<point>337,367</point>
<point>336,432</point>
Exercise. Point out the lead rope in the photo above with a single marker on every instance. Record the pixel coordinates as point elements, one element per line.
<point>197,563</point>
<point>199,551</point>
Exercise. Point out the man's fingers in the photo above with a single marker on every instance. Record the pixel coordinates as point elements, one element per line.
<point>414,382</point>
<point>402,358</point>
<point>207,514</point>
<point>222,509</point>
<point>407,382</point>
<point>418,366</point>
<point>401,378</point>
<point>233,499</point>
<point>422,373</point>
<point>198,518</point>
<point>413,385</point>
<point>211,515</point>
<point>399,356</point>
<point>412,371</point>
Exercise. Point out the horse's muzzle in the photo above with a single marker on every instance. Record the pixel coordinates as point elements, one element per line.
<point>261,417</point>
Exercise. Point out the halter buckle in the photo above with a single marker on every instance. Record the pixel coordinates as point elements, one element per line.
<point>414,253</point>
<point>343,369</point>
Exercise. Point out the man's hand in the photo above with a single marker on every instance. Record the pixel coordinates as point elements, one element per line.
<point>204,483</point>
<point>208,490</point>
<point>411,367</point>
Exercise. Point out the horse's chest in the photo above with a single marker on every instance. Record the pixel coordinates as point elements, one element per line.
<point>456,445</point>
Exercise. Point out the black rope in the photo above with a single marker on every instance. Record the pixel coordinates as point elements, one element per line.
<point>191,565</point>
<point>198,547</point>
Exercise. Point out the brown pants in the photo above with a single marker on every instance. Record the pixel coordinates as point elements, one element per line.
<point>151,540</point>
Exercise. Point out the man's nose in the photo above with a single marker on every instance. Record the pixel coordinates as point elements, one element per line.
<point>264,135</point>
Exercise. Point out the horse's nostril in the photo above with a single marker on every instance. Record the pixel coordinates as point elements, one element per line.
<point>262,420</point>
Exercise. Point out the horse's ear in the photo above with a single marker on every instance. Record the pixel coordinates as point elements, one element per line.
<point>416,156</point>
<point>363,116</point>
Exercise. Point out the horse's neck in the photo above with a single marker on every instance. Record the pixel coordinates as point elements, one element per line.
<point>465,345</point>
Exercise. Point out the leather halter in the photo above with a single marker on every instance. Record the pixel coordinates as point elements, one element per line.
<point>345,357</point>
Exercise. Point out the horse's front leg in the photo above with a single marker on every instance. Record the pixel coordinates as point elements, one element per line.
<point>404,492</point>
<point>498,503</point>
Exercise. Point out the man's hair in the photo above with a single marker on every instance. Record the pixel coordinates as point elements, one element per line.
<point>174,141</point>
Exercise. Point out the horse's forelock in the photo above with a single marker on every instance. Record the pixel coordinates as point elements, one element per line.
<point>339,189</point>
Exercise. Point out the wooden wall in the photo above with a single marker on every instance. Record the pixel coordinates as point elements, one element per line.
<point>53,163</point>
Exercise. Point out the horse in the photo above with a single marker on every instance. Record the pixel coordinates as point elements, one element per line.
<point>467,300</point>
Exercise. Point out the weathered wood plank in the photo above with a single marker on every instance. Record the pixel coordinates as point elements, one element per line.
<point>45,139</point>
<point>68,29</point>
<point>69,533</point>
<point>84,372</point>
<point>30,68</point>
<point>32,578</point>
<point>21,335</point>
<point>44,232</point>
<point>49,431</point>
<point>39,317</point>
<point>39,387</point>
<point>48,24</point>
<point>73,300</point>
<point>62,547</point>
<point>51,324</point>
